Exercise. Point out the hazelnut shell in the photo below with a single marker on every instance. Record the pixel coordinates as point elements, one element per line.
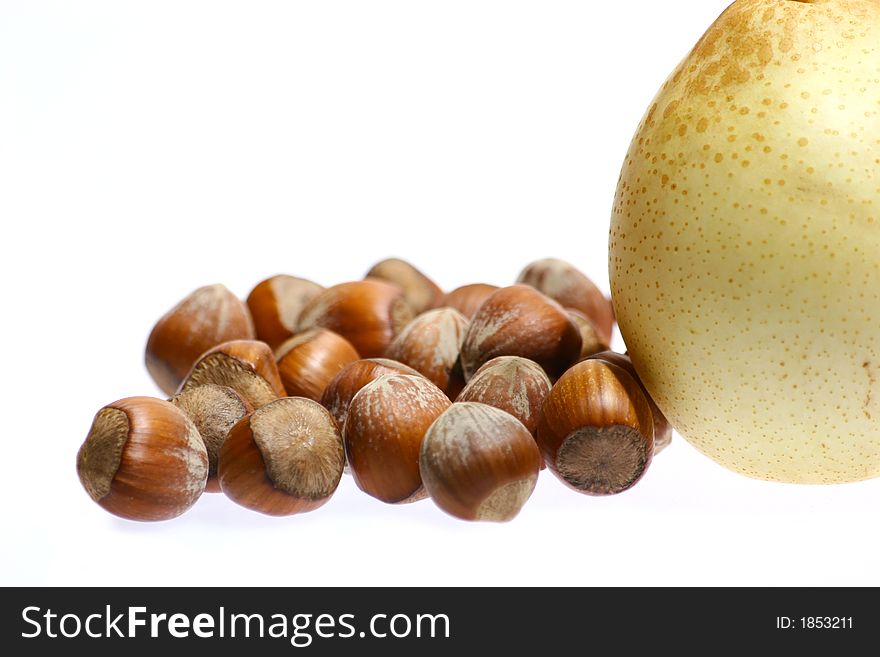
<point>368,313</point>
<point>207,317</point>
<point>420,292</point>
<point>479,462</point>
<point>308,361</point>
<point>246,366</point>
<point>513,384</point>
<point>662,427</point>
<point>275,305</point>
<point>383,432</point>
<point>214,410</point>
<point>143,459</point>
<point>596,431</point>
<point>430,344</point>
<point>282,459</point>
<point>338,394</point>
<point>467,299</point>
<point>520,321</point>
<point>566,284</point>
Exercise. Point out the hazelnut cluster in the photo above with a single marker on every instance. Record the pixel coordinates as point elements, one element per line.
<point>461,397</point>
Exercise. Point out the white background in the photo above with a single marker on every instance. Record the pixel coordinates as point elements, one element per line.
<point>147,150</point>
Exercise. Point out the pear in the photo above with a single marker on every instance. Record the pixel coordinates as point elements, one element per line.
<point>745,242</point>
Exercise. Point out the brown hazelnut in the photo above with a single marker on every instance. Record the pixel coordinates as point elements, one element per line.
<point>207,317</point>
<point>596,430</point>
<point>341,390</point>
<point>246,366</point>
<point>213,410</point>
<point>368,313</point>
<point>566,284</point>
<point>479,463</point>
<point>386,422</point>
<point>467,299</point>
<point>430,344</point>
<point>520,321</point>
<point>513,384</point>
<point>275,305</point>
<point>591,341</point>
<point>283,458</point>
<point>662,427</point>
<point>420,292</point>
<point>308,361</point>
<point>143,459</point>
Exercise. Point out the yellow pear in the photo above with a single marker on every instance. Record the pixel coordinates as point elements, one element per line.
<point>745,242</point>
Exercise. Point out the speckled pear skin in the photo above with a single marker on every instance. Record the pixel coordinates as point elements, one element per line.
<point>745,242</point>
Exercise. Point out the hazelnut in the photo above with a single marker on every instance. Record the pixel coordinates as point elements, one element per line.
<point>520,321</point>
<point>207,317</point>
<point>143,459</point>
<point>213,410</point>
<point>386,422</point>
<point>430,344</point>
<point>596,430</point>
<point>467,299</point>
<point>420,292</point>
<point>308,361</point>
<point>246,366</point>
<point>479,462</point>
<point>283,458</point>
<point>591,341</point>
<point>566,284</point>
<point>368,313</point>
<point>662,427</point>
<point>341,390</point>
<point>513,384</point>
<point>275,305</point>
